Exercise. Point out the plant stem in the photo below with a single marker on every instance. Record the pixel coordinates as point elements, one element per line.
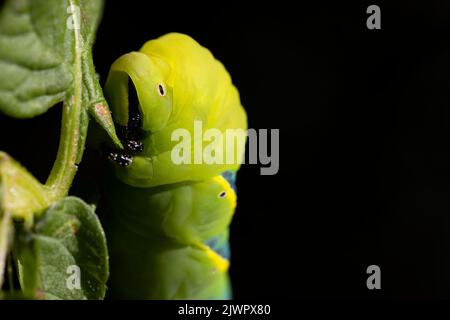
<point>5,233</point>
<point>65,166</point>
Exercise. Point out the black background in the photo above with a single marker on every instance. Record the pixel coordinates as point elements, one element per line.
<point>364,125</point>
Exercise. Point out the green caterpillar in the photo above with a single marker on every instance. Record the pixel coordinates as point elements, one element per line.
<point>167,224</point>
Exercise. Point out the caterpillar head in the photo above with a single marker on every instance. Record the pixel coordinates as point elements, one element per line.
<point>171,83</point>
<point>138,92</point>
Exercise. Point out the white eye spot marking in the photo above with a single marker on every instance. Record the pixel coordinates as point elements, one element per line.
<point>222,194</point>
<point>161,90</point>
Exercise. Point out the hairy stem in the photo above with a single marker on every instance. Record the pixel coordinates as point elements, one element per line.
<point>65,166</point>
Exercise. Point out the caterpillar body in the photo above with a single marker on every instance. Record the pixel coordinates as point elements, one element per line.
<point>167,223</point>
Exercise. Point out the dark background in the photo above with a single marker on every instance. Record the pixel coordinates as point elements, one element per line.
<point>364,123</point>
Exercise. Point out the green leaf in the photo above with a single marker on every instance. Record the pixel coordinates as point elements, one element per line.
<point>68,236</point>
<point>45,57</point>
<point>34,74</point>
<point>21,195</point>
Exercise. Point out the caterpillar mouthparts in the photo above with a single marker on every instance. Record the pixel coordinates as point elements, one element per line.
<point>130,135</point>
<point>135,146</point>
<point>122,158</point>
